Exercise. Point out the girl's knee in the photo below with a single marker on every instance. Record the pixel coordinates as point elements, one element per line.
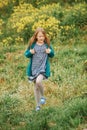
<point>37,83</point>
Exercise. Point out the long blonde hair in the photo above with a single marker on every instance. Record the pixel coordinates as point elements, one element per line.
<point>34,37</point>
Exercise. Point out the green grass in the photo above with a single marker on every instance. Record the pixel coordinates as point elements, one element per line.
<point>66,117</point>
<point>69,62</point>
<point>66,90</point>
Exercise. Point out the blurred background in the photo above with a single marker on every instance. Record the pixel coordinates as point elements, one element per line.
<point>65,22</point>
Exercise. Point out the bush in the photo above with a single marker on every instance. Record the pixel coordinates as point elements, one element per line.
<point>25,24</point>
<point>50,25</point>
<point>74,19</point>
<point>60,23</point>
<point>76,15</point>
<point>39,3</point>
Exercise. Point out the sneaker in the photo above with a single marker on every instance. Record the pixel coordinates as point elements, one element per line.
<point>42,100</point>
<point>37,108</point>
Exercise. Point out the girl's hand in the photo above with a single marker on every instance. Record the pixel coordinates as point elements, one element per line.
<point>32,51</point>
<point>48,50</point>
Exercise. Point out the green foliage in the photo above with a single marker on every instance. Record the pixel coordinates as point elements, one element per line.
<point>39,3</point>
<point>69,70</point>
<point>70,115</point>
<point>73,20</point>
<point>9,111</point>
<point>63,23</point>
<point>65,117</point>
<point>70,84</point>
<point>66,88</point>
<point>77,15</point>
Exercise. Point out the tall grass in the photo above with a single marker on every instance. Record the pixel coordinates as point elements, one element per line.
<point>66,90</point>
<point>66,117</point>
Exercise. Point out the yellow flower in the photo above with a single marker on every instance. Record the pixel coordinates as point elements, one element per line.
<point>51,25</point>
<point>3,3</point>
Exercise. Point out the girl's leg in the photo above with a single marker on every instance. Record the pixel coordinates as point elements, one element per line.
<point>40,85</point>
<point>38,90</point>
<point>37,94</point>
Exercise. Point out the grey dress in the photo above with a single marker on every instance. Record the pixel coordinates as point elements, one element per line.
<point>39,61</point>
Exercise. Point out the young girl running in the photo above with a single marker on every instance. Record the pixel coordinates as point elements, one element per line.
<point>39,51</point>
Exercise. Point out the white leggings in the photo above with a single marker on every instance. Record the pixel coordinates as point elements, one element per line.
<point>38,89</point>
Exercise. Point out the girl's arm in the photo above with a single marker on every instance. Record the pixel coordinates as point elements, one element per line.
<point>50,52</point>
<point>29,52</point>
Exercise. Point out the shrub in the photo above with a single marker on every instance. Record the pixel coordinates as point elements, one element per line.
<point>74,18</point>
<point>50,25</point>
<point>76,15</point>
<point>60,23</point>
<point>24,24</point>
<point>54,10</point>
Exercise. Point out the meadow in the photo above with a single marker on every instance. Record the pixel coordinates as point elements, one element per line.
<point>66,89</point>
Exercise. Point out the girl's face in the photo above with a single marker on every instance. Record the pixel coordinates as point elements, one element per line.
<point>40,37</point>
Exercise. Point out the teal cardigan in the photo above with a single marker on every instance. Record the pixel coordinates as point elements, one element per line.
<point>28,54</point>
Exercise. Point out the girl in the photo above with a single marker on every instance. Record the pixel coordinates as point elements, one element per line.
<point>39,51</point>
